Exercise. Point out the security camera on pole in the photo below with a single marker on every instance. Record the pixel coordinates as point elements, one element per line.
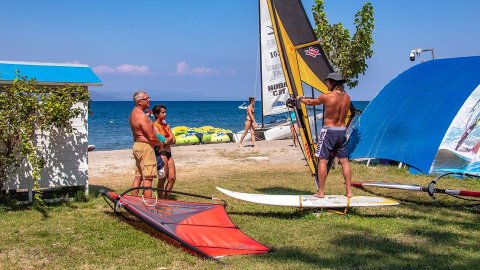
<point>416,52</point>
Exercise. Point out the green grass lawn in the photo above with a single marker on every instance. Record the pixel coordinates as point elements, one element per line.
<point>417,234</point>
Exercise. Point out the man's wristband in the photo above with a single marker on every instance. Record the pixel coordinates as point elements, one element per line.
<point>301,98</point>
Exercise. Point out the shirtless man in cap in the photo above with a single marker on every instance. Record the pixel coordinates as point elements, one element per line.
<point>144,140</point>
<point>333,140</point>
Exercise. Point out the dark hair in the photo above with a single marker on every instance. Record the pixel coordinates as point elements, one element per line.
<point>250,99</point>
<point>336,83</point>
<point>156,109</point>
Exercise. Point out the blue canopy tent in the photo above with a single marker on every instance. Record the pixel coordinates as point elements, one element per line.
<point>409,118</point>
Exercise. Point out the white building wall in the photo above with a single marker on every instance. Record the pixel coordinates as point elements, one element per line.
<point>66,156</point>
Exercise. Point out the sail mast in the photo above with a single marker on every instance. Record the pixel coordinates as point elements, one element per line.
<point>260,54</point>
<point>274,90</point>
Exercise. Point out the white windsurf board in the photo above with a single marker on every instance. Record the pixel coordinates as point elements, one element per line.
<point>309,201</point>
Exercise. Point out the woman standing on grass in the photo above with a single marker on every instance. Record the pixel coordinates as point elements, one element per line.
<point>170,174</point>
<point>250,123</point>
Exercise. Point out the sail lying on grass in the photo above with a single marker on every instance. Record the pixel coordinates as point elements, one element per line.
<point>305,66</point>
<point>202,229</point>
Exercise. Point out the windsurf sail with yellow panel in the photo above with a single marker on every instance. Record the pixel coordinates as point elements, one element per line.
<point>305,66</point>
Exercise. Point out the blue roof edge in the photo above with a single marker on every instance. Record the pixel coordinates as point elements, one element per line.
<point>49,73</point>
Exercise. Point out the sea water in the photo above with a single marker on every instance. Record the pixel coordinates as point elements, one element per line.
<point>108,127</point>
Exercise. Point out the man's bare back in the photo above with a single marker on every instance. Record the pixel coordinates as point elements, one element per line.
<point>336,104</point>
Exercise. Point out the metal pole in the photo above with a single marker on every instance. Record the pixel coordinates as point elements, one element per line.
<point>429,50</point>
<point>260,56</point>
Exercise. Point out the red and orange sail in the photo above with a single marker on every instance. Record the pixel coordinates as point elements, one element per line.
<point>200,228</point>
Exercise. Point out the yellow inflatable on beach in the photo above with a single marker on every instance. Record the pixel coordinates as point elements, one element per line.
<point>187,138</point>
<point>207,134</point>
<point>206,137</point>
<point>221,137</point>
<point>194,130</point>
<point>179,130</point>
<point>207,129</point>
<point>221,130</point>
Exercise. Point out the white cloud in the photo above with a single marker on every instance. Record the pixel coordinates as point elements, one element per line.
<point>122,69</point>
<point>103,69</point>
<point>132,69</point>
<point>184,69</point>
<point>76,62</point>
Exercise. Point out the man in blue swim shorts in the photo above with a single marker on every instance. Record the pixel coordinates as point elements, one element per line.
<point>333,138</point>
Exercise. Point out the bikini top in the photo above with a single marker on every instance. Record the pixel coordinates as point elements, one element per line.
<point>253,112</point>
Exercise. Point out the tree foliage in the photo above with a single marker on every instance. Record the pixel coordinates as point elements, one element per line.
<point>26,109</point>
<point>347,54</point>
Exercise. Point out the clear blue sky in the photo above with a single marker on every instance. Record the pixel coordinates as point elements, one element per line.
<point>207,50</point>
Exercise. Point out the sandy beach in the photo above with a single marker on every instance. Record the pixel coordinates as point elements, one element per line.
<point>193,159</point>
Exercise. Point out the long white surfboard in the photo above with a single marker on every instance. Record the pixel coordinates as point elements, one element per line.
<point>309,201</point>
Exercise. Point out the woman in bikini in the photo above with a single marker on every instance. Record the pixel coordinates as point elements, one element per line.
<point>161,127</point>
<point>250,123</point>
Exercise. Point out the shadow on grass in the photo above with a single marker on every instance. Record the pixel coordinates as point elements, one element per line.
<point>313,213</point>
<point>365,251</point>
<point>60,199</point>
<point>95,190</point>
<point>283,191</point>
<point>279,215</point>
